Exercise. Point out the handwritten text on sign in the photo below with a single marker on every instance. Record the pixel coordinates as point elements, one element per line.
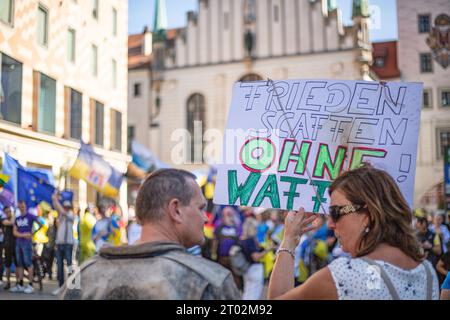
<point>287,140</point>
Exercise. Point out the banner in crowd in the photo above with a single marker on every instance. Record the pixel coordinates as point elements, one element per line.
<point>286,141</point>
<point>32,185</point>
<point>144,159</point>
<point>33,189</point>
<point>29,184</point>
<point>93,169</point>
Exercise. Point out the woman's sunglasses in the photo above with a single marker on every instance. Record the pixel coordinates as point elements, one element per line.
<point>336,212</point>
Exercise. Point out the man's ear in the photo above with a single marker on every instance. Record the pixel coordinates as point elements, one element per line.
<point>174,210</point>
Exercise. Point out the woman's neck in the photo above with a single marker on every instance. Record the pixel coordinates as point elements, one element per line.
<point>393,255</point>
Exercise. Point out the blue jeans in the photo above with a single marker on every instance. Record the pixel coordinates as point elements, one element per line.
<point>63,251</point>
<point>24,254</point>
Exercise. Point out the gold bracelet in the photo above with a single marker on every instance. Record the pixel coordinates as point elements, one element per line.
<point>286,250</point>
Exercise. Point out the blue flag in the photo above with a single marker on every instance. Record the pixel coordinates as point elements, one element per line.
<point>144,158</point>
<point>33,189</point>
<point>44,174</point>
<point>10,167</point>
<point>141,156</point>
<point>66,195</point>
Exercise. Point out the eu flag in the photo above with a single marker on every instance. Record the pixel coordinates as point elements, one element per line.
<point>44,174</point>
<point>33,189</point>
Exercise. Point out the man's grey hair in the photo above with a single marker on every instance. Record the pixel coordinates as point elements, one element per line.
<point>159,189</point>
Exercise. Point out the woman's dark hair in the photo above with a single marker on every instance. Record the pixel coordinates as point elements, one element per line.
<point>422,220</point>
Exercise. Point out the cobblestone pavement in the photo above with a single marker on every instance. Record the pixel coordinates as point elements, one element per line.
<point>46,294</point>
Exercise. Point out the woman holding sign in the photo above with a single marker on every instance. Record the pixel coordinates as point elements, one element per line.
<point>372,221</point>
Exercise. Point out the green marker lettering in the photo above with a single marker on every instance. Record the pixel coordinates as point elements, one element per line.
<point>358,154</point>
<point>324,160</point>
<point>291,194</point>
<point>243,191</point>
<point>322,186</point>
<point>270,190</point>
<point>286,156</point>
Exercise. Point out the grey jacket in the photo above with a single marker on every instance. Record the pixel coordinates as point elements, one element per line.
<point>157,270</point>
<point>64,230</point>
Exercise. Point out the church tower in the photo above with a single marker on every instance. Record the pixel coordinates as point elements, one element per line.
<point>159,40</point>
<point>361,21</point>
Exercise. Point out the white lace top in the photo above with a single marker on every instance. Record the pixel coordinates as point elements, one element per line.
<point>356,279</point>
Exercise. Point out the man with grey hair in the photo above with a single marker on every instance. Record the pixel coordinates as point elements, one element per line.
<point>170,208</point>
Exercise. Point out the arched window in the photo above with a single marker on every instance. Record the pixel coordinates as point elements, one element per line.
<point>196,126</point>
<point>251,77</point>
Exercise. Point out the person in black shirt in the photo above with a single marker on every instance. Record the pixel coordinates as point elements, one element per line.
<point>430,242</point>
<point>9,243</point>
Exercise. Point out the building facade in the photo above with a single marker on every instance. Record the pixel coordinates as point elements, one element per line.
<point>423,56</point>
<point>64,78</point>
<point>193,69</point>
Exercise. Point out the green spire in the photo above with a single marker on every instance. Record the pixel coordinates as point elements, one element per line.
<point>332,5</point>
<point>360,8</point>
<point>160,21</point>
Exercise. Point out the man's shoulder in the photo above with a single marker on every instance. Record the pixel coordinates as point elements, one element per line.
<point>210,279</point>
<point>161,254</point>
<point>171,272</point>
<point>72,287</point>
<point>211,271</point>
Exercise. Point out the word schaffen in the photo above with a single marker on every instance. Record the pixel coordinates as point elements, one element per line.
<point>301,134</point>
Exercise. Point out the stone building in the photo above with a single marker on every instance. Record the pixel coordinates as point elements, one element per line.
<point>191,70</point>
<point>424,56</point>
<point>64,78</point>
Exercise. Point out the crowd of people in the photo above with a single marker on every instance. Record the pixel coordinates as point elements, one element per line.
<point>60,236</point>
<point>260,232</point>
<point>244,240</point>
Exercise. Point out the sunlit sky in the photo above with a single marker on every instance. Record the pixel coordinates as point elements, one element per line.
<point>384,22</point>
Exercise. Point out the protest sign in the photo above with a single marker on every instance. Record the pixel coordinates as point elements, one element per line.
<point>286,141</point>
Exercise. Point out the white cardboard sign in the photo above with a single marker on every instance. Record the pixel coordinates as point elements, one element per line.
<point>287,140</point>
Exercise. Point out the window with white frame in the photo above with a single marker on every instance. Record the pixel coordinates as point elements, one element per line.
<point>114,21</point>
<point>7,11</point>
<point>42,26</point>
<point>443,141</point>
<point>426,63</point>
<point>424,23</point>
<point>445,97</point>
<point>71,42</point>
<point>427,99</point>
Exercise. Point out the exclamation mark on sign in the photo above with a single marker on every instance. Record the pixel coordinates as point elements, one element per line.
<point>405,165</point>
